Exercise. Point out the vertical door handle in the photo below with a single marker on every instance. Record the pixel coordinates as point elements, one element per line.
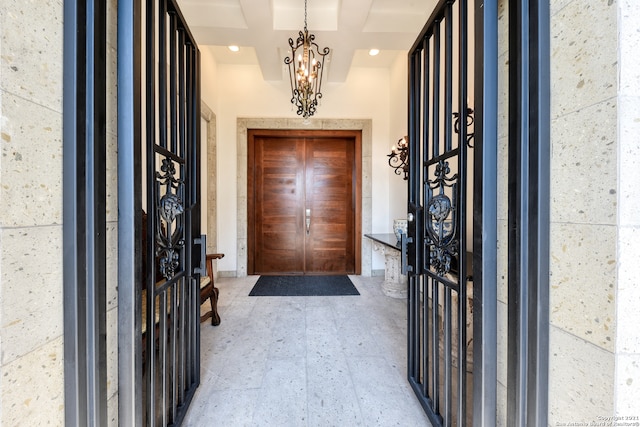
<point>404,259</point>
<point>308,219</point>
<point>202,241</point>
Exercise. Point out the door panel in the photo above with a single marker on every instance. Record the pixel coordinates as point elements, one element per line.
<point>292,173</point>
<point>278,197</point>
<point>329,190</point>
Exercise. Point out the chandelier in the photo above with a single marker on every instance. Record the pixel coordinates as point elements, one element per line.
<point>306,65</point>
<point>398,159</point>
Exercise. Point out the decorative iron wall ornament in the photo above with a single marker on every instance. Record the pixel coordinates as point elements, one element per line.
<point>469,122</point>
<point>398,159</point>
<point>442,218</point>
<point>170,223</point>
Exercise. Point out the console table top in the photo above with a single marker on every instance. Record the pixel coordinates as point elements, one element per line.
<point>387,239</point>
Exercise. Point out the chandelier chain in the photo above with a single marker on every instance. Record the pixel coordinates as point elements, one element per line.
<point>305,15</point>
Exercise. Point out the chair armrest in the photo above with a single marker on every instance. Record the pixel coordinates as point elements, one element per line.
<point>210,258</point>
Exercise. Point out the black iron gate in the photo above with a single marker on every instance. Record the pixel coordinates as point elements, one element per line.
<point>160,249</point>
<point>170,295</point>
<point>439,243</point>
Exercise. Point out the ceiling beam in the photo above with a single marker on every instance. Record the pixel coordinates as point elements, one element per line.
<point>361,25</point>
<point>259,17</point>
<point>352,17</point>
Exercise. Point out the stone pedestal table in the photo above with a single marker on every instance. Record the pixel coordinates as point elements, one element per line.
<point>395,283</point>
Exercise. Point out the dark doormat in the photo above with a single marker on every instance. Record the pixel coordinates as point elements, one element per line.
<point>303,286</point>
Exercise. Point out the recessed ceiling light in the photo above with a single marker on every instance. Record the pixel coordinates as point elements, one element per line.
<point>374,52</point>
<point>234,48</point>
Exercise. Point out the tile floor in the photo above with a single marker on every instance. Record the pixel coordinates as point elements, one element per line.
<point>305,361</point>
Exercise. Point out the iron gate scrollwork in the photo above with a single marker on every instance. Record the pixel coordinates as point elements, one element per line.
<point>169,232</point>
<point>441,223</point>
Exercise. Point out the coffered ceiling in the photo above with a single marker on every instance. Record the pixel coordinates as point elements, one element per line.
<point>261,28</point>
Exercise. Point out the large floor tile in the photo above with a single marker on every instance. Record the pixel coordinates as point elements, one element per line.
<point>305,361</point>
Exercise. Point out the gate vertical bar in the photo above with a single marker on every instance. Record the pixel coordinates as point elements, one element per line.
<point>188,153</point>
<point>162,73</point>
<point>528,212</point>
<point>150,364</point>
<point>485,214</point>
<point>435,152</point>
<point>173,350</point>
<point>427,284</point>
<point>448,139</point>
<point>542,94</point>
<point>462,169</point>
<point>196,219</point>
<point>129,207</point>
<point>73,156</point>
<point>96,215</point>
<point>414,119</point>
<point>162,359</point>
<point>84,211</point>
<point>185,150</point>
<point>181,362</point>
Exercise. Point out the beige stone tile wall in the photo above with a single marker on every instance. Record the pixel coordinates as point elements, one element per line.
<point>211,183</point>
<point>583,258</point>
<point>31,300</point>
<point>581,380</point>
<point>31,361</point>
<point>583,209</point>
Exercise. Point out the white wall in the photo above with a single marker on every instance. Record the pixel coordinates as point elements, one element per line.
<point>399,128</point>
<point>208,78</point>
<point>240,91</point>
<point>627,339</point>
<point>209,95</point>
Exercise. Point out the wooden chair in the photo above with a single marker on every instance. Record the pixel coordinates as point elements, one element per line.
<point>209,291</point>
<point>207,285</point>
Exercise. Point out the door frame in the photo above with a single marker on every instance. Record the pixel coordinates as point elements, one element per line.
<point>243,124</point>
<point>356,192</point>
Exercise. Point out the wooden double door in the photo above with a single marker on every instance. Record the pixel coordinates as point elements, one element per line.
<point>304,193</point>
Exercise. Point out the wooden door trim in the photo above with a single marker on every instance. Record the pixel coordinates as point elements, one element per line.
<point>288,133</point>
